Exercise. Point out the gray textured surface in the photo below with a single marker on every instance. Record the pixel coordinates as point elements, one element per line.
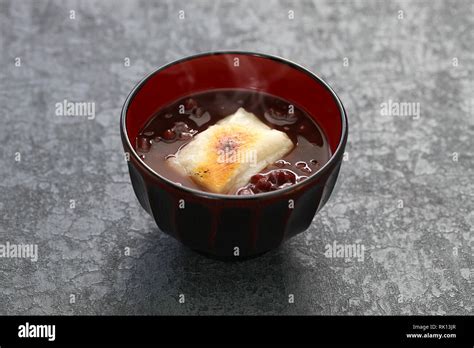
<point>411,265</point>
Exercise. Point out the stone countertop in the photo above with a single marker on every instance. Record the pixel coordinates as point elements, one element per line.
<point>405,191</point>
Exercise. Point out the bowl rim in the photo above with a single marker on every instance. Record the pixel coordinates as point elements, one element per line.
<point>340,147</point>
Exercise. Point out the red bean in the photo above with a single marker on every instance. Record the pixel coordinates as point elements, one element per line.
<point>286,177</point>
<point>143,144</point>
<point>263,185</point>
<point>273,177</point>
<point>190,104</point>
<point>254,179</point>
<point>169,134</point>
<point>271,181</point>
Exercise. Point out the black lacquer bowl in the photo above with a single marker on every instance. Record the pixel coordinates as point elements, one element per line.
<point>228,226</point>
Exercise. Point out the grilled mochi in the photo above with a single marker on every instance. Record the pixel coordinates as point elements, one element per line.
<point>226,155</point>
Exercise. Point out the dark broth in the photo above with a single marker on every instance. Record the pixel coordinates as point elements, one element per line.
<point>175,125</point>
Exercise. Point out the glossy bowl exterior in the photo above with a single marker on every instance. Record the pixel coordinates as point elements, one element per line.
<point>226,226</point>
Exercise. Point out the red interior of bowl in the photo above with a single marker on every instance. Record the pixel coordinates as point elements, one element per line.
<point>235,70</point>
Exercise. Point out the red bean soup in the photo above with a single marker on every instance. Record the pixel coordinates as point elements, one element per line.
<point>177,124</point>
